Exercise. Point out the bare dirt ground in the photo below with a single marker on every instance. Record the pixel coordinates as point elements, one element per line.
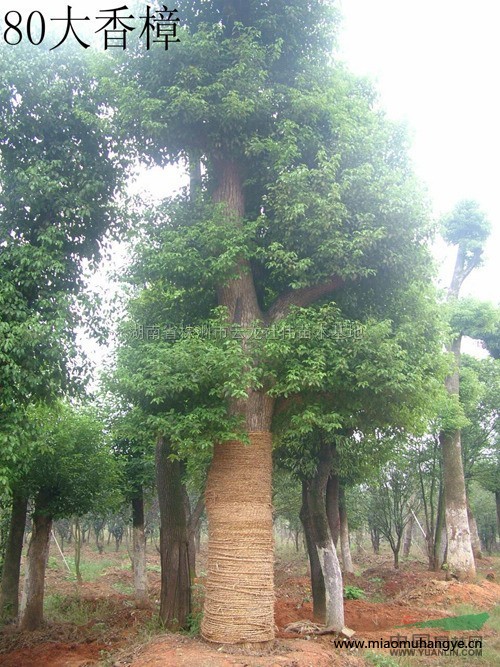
<point>97,623</point>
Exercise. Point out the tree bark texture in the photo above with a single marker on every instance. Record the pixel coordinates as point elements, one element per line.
<point>9,594</point>
<point>460,557</point>
<point>474,534</point>
<point>436,545</point>
<point>332,507</point>
<point>139,552</point>
<point>317,579</point>
<point>175,595</point>
<point>31,615</point>
<point>345,547</point>
<point>319,541</point>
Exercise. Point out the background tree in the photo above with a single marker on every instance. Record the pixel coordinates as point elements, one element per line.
<point>70,472</point>
<point>59,171</point>
<point>392,502</point>
<point>467,228</point>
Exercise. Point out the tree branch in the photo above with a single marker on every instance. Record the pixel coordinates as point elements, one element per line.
<point>302,297</point>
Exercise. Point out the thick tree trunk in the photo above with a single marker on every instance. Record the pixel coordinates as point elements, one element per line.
<point>239,595</point>
<point>175,595</point>
<point>31,615</point>
<point>139,552</point>
<point>460,557</point>
<point>332,507</point>
<point>345,547</point>
<point>9,594</point>
<point>408,535</point>
<point>319,540</point>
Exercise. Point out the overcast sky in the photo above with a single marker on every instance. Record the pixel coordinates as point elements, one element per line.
<point>436,66</point>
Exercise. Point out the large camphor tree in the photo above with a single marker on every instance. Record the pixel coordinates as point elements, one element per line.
<point>306,188</point>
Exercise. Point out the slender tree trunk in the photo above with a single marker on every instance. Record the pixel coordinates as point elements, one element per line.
<point>78,550</point>
<point>375,540</point>
<point>31,615</point>
<point>175,595</point>
<point>194,522</point>
<point>359,538</point>
<point>344,534</point>
<point>408,535</point>
<point>332,507</point>
<point>296,534</point>
<point>437,547</point>
<point>139,552</point>
<point>317,580</point>
<point>319,540</point>
<point>9,594</point>
<point>395,553</point>
<point>474,535</point>
<point>497,500</point>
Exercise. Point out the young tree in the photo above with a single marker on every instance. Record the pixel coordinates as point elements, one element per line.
<point>391,503</point>
<point>70,472</point>
<point>136,456</point>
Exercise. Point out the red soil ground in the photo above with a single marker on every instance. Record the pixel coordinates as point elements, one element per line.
<point>115,635</point>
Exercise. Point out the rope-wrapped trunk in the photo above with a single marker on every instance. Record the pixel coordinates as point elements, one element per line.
<point>239,594</point>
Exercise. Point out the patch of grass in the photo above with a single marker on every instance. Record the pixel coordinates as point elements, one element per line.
<point>380,660</point>
<point>353,593</point>
<point>125,589</point>
<point>53,563</point>
<point>194,623</point>
<point>150,628</point>
<point>90,569</point>
<point>76,610</point>
<point>153,568</point>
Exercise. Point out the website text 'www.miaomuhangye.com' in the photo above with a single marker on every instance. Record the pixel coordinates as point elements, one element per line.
<point>419,645</point>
